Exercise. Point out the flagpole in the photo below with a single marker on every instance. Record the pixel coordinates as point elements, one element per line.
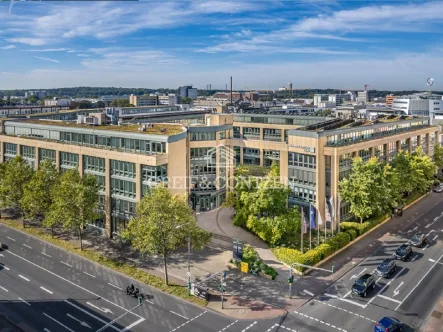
<point>318,232</point>
<point>301,228</point>
<point>310,233</point>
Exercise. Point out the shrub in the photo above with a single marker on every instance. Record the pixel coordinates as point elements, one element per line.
<point>270,271</point>
<point>360,228</point>
<point>250,256</point>
<point>324,249</point>
<point>339,241</point>
<point>287,255</point>
<point>352,233</point>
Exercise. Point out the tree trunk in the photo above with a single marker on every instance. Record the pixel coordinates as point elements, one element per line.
<point>166,268</point>
<point>80,238</point>
<point>52,231</point>
<point>361,220</point>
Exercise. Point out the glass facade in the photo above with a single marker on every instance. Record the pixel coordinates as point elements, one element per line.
<point>251,133</point>
<point>68,160</point>
<point>10,149</point>
<point>203,136</point>
<point>47,154</point>
<point>94,164</point>
<point>251,156</point>
<point>270,156</point>
<point>123,169</point>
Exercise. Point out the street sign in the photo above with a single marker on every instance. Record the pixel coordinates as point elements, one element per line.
<point>224,275</point>
<point>244,267</point>
<point>237,249</point>
<point>188,274</point>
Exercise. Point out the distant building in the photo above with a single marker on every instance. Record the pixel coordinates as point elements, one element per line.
<point>319,98</point>
<point>419,105</point>
<point>187,91</point>
<point>365,96</point>
<point>327,104</point>
<point>145,100</point>
<point>38,94</point>
<point>389,100</point>
<point>227,96</point>
<point>110,98</point>
<point>352,96</point>
<point>339,98</point>
<point>57,102</point>
<point>168,100</point>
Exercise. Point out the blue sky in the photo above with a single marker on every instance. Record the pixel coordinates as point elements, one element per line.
<point>311,43</point>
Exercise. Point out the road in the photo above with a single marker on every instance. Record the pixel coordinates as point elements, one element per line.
<point>44,288</point>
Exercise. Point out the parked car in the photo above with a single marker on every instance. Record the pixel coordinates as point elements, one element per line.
<point>403,252</point>
<point>363,285</point>
<point>438,189</point>
<point>417,240</point>
<point>388,324</point>
<point>386,268</point>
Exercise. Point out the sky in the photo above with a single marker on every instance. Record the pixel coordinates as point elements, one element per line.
<point>388,45</point>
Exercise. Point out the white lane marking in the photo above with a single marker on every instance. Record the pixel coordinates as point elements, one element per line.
<point>227,327</point>
<point>46,330</point>
<point>396,291</point>
<point>248,327</point>
<point>387,284</point>
<point>10,238</point>
<point>433,265</point>
<point>428,225</point>
<point>4,289</point>
<point>4,267</point>
<point>72,283</point>
<point>353,313</point>
<point>58,322</point>
<point>345,300</point>
<point>425,247</point>
<point>358,275</point>
<point>388,298</point>
<point>431,231</point>
<point>308,292</point>
<point>93,316</point>
<point>66,263</point>
<point>45,254</point>
<point>46,290</point>
<point>105,310</point>
<point>25,245</point>
<point>183,323</point>
<point>325,323</point>
<point>411,230</point>
<point>414,258</point>
<point>178,314</point>
<point>435,237</point>
<point>78,320</point>
<point>24,301</point>
<point>347,294</point>
<point>114,286</point>
<point>24,278</point>
<point>91,275</point>
<point>129,327</point>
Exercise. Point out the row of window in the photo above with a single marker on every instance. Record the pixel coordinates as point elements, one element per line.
<point>302,160</point>
<point>95,164</point>
<point>123,188</point>
<point>123,168</point>
<point>300,176</point>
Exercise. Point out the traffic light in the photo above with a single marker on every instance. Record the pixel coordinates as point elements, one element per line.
<point>140,300</point>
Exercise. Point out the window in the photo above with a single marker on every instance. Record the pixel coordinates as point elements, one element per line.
<point>94,164</point>
<point>69,159</point>
<point>251,152</point>
<point>10,149</point>
<point>272,134</point>
<point>302,160</point>
<point>27,152</point>
<point>251,133</point>
<point>47,154</point>
<point>123,168</point>
<point>203,136</point>
<point>122,188</point>
<point>154,173</point>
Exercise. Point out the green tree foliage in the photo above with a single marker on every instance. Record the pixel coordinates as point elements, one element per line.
<point>423,170</point>
<point>74,202</point>
<point>185,100</point>
<point>17,173</point>
<point>33,100</point>
<point>438,155</point>
<point>121,103</point>
<point>162,225</point>
<point>36,200</point>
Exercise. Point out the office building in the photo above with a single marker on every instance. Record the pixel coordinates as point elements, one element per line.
<point>57,102</point>
<point>320,98</point>
<point>110,98</point>
<point>187,91</point>
<point>39,94</point>
<point>365,96</point>
<point>144,100</point>
<point>339,98</point>
<point>168,99</point>
<point>314,153</point>
<point>389,99</point>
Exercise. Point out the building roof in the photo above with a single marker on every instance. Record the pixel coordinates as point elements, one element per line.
<point>152,129</point>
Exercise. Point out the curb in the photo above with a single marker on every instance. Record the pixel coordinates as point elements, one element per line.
<point>355,240</point>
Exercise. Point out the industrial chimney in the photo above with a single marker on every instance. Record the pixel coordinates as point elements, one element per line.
<point>231,89</point>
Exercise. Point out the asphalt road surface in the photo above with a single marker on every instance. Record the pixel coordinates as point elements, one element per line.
<point>44,288</point>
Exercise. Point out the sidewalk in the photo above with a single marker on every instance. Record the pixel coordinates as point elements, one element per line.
<point>434,322</point>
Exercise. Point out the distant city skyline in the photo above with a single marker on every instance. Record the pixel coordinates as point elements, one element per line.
<point>389,45</point>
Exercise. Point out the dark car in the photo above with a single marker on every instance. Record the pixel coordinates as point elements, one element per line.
<point>388,324</point>
<point>386,268</point>
<point>363,285</point>
<point>417,240</point>
<point>403,252</point>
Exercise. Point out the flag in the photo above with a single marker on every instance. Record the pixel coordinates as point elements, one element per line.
<point>327,213</point>
<point>331,200</point>
<point>338,208</point>
<point>303,221</point>
<point>311,217</point>
<point>320,222</point>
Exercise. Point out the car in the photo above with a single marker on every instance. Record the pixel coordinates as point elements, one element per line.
<point>438,189</point>
<point>403,252</point>
<point>386,268</point>
<point>417,240</point>
<point>363,285</point>
<point>388,324</point>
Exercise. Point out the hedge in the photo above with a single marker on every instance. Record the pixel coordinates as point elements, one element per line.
<point>113,264</point>
<point>352,233</point>
<point>339,241</point>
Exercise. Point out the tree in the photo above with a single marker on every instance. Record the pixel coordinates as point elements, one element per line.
<point>36,198</point>
<point>161,225</point>
<point>438,155</point>
<point>401,164</point>
<point>185,100</point>
<point>17,174</point>
<point>422,170</point>
<point>360,189</point>
<point>33,100</point>
<point>74,202</point>
<point>100,104</point>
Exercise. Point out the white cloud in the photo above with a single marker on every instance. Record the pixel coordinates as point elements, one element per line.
<point>49,50</point>
<point>28,41</point>
<point>46,59</point>
<point>9,47</point>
